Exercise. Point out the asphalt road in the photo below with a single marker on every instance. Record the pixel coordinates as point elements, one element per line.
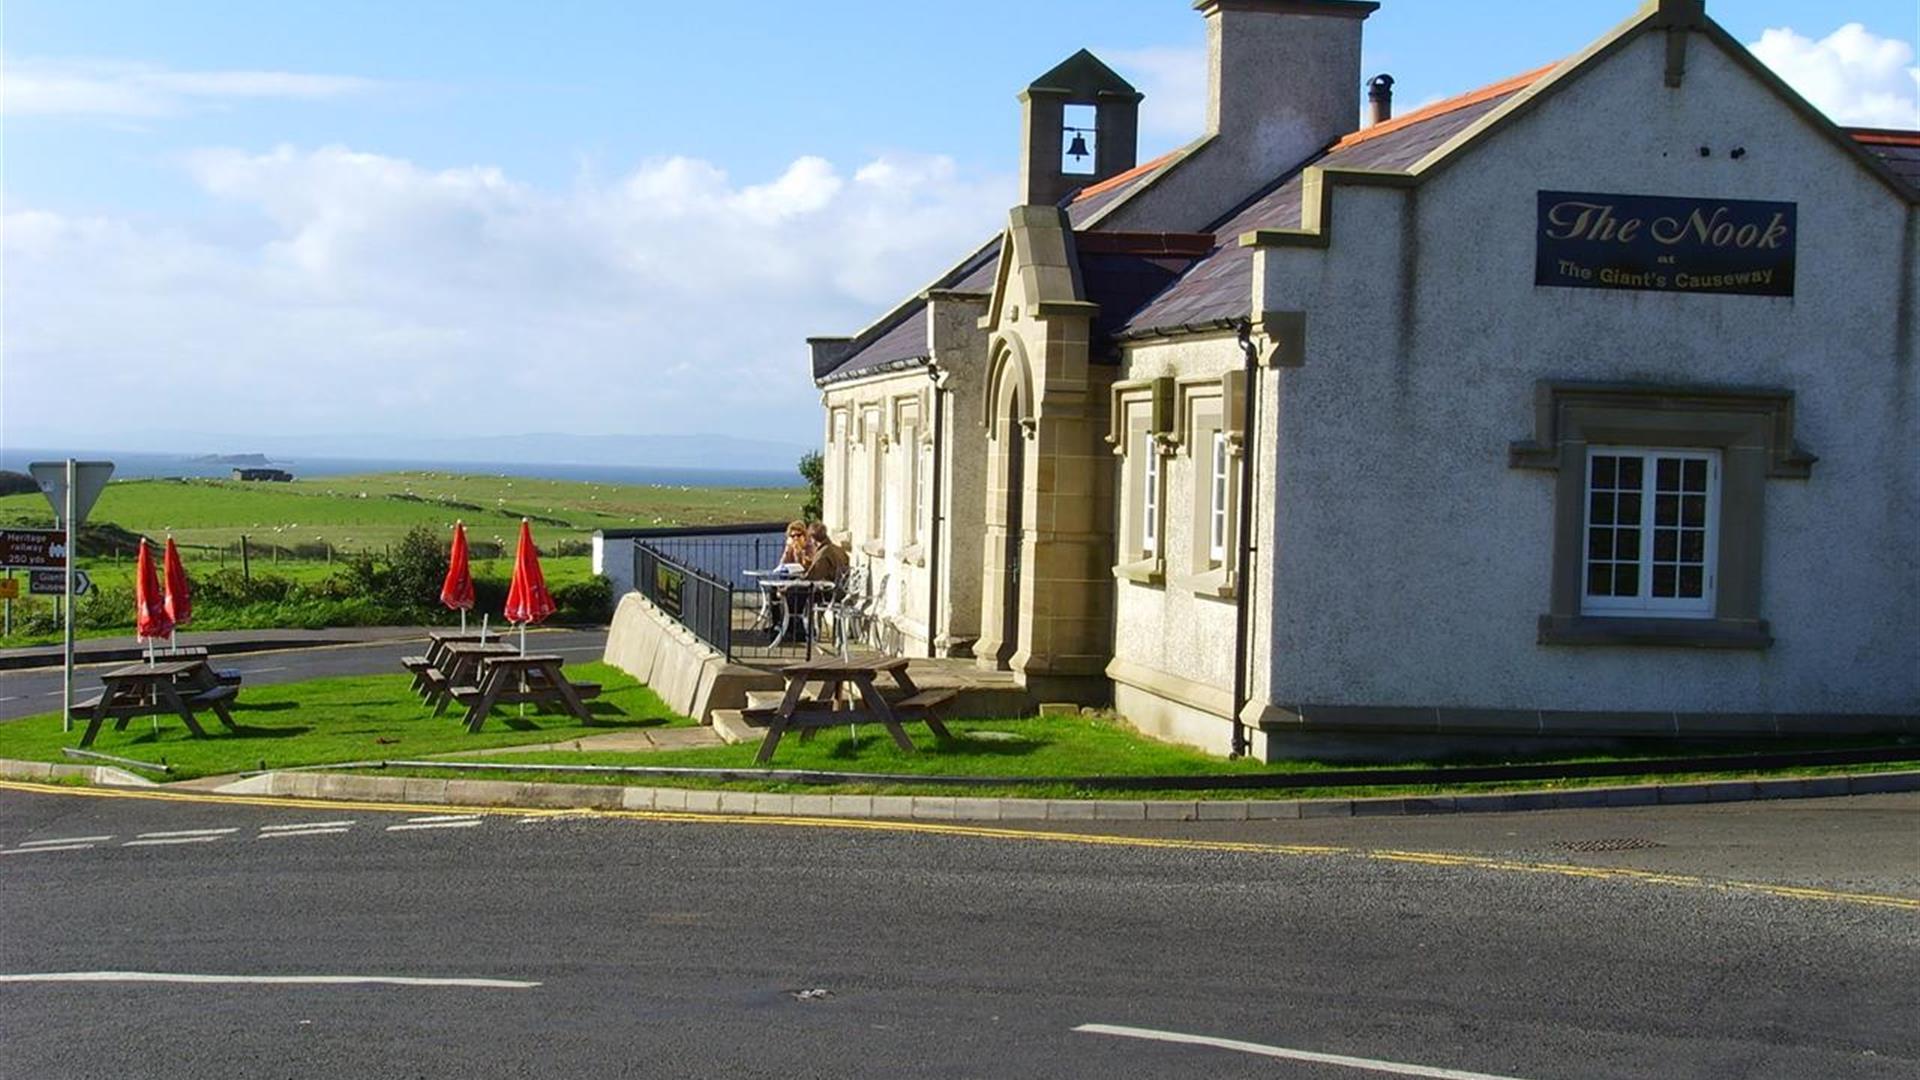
<point>33,691</point>
<point>669,948</point>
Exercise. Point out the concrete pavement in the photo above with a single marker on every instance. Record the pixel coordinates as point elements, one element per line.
<point>698,948</point>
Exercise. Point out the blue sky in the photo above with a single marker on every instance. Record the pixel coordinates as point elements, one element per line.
<point>205,155</point>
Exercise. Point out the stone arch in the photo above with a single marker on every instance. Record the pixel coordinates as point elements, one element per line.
<point>1010,427</point>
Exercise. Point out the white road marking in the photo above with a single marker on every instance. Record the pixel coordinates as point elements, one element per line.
<point>66,840</point>
<point>11,697</point>
<point>56,847</point>
<point>446,817</point>
<point>435,825</point>
<point>304,825</point>
<point>187,832</point>
<point>172,840</point>
<point>268,980</point>
<point>300,832</point>
<point>260,670</point>
<point>1394,1067</point>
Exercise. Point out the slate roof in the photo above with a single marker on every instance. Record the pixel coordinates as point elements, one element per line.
<point>1898,150</point>
<point>902,341</point>
<point>1219,289</point>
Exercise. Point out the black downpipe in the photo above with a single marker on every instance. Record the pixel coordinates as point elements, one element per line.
<point>939,519</point>
<point>1242,599</point>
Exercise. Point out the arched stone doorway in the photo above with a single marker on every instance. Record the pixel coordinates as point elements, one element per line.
<point>1004,584</point>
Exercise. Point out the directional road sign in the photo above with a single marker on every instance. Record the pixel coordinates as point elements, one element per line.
<point>33,549</point>
<point>89,478</point>
<point>54,582</point>
<point>9,588</point>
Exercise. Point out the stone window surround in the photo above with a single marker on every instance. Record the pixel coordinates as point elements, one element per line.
<point>904,431</point>
<point>840,426</point>
<point>1141,407</point>
<point>1753,429</point>
<point>1206,405</point>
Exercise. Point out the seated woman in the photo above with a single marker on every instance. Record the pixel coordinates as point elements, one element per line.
<point>799,549</point>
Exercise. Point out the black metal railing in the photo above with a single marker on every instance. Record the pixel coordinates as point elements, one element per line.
<point>697,601</point>
<point>700,579</point>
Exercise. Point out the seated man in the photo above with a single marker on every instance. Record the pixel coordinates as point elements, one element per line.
<point>829,563</point>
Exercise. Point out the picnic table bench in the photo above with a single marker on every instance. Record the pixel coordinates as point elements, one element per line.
<point>173,687</point>
<point>436,657</point>
<point>804,713</point>
<point>458,665</point>
<point>513,679</point>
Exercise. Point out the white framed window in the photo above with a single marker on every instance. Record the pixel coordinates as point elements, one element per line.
<point>1652,532</point>
<point>1217,495</point>
<point>922,460</point>
<point>1150,495</point>
<point>843,473</point>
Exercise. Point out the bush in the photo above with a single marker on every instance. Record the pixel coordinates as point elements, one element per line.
<point>416,570</point>
<point>585,601</point>
<point>813,469</point>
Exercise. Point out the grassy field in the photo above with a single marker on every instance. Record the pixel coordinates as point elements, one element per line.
<point>366,513</point>
<point>329,720</point>
<point>292,526</point>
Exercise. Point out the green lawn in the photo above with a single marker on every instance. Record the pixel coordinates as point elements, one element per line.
<point>333,720</point>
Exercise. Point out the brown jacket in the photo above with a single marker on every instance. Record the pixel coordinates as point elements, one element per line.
<point>829,563</point>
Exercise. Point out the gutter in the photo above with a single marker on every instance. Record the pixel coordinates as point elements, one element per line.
<point>939,378</point>
<point>1242,609</point>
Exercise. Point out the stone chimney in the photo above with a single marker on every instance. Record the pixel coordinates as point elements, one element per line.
<point>1111,143</point>
<point>1380,99</point>
<point>1283,76</point>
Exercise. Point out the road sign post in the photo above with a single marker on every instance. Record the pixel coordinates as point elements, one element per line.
<point>71,487</point>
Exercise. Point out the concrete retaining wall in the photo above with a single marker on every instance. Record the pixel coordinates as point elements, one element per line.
<point>689,675</point>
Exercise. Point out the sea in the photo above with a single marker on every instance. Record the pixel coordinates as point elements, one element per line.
<point>130,465</point>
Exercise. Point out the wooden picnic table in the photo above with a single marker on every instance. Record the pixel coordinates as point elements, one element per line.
<point>435,658</point>
<point>799,712</point>
<point>166,687</point>
<point>535,679</point>
<point>459,666</point>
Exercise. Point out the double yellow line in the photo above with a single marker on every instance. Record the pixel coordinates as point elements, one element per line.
<point>992,832</point>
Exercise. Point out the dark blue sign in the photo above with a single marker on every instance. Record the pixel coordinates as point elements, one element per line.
<point>1662,244</point>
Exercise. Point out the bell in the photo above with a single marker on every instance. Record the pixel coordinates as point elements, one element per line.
<point>1078,148</point>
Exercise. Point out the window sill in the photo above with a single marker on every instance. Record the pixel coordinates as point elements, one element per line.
<point>874,548</point>
<point>1216,583</point>
<point>1642,630</point>
<point>1145,572</point>
<point>914,555</point>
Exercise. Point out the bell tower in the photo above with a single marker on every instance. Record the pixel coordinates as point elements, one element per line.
<point>1082,124</point>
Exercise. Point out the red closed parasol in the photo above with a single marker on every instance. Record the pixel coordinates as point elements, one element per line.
<point>173,576</point>
<point>527,598</point>
<point>149,605</point>
<point>457,591</point>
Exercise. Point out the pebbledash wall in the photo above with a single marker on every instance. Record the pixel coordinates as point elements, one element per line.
<point>1426,339</point>
<point>1407,525</point>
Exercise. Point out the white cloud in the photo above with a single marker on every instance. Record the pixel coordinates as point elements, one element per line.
<point>370,294</point>
<point>39,87</point>
<point>1852,74</point>
<point>1174,80</point>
